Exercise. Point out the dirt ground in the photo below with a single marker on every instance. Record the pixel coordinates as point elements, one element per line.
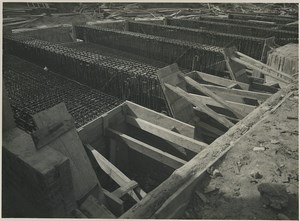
<point>267,154</point>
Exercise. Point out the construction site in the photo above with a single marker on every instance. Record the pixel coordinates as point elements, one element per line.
<point>150,110</point>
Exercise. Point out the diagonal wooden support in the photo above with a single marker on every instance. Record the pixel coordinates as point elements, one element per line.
<point>236,92</point>
<point>211,94</point>
<point>122,190</point>
<point>202,107</point>
<point>280,74</point>
<point>183,141</point>
<point>244,108</point>
<point>237,71</point>
<point>218,80</point>
<point>120,178</point>
<point>152,152</point>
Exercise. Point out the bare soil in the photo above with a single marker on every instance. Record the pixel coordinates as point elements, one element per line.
<point>234,194</point>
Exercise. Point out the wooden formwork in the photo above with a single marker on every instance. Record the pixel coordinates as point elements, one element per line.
<point>124,146</point>
<point>212,104</point>
<point>133,138</point>
<point>131,149</point>
<point>170,199</point>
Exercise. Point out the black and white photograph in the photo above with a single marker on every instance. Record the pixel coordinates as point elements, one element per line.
<point>150,110</point>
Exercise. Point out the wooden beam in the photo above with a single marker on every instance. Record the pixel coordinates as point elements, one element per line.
<point>120,178</point>
<point>92,208</point>
<point>150,151</point>
<point>115,204</point>
<point>201,106</point>
<point>236,92</point>
<point>214,96</point>
<point>183,110</point>
<point>233,85</point>
<point>280,77</point>
<point>264,87</point>
<point>232,119</point>
<point>45,135</point>
<point>210,129</point>
<point>219,81</point>
<point>244,108</point>
<point>70,145</point>
<point>159,119</point>
<point>122,190</point>
<point>183,141</point>
<point>279,73</point>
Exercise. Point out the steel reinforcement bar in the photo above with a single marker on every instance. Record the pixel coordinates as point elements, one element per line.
<point>32,89</point>
<point>188,55</point>
<point>124,79</point>
<point>252,46</point>
<point>249,23</point>
<point>281,36</point>
<point>106,51</point>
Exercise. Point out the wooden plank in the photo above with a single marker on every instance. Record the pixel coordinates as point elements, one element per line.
<point>45,135</point>
<point>198,104</point>
<point>122,190</point>
<point>278,76</point>
<point>214,96</point>
<point>115,204</point>
<point>236,92</point>
<point>169,75</point>
<point>219,81</point>
<point>211,129</point>
<point>119,177</point>
<point>92,208</point>
<point>113,118</point>
<point>150,151</point>
<point>92,131</point>
<point>159,119</point>
<point>244,108</point>
<point>112,151</point>
<point>234,85</point>
<point>167,210</point>
<point>173,137</point>
<point>236,70</point>
<point>264,87</point>
<point>161,74</point>
<point>70,145</point>
<point>279,73</point>
<point>232,119</point>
